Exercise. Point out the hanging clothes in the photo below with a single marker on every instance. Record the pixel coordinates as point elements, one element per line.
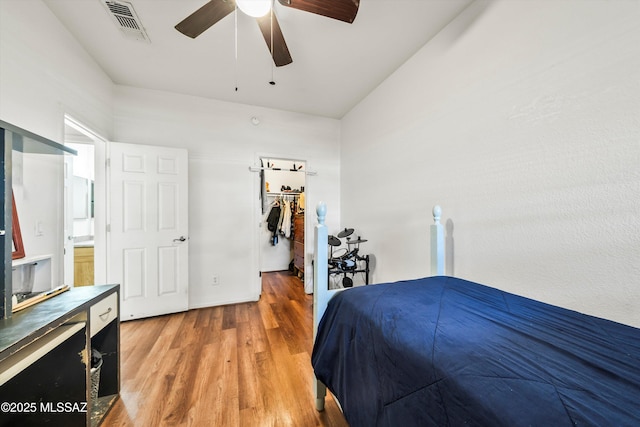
<point>272,222</point>
<point>273,218</point>
<point>282,204</point>
<point>285,227</point>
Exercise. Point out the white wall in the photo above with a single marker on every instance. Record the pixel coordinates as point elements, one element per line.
<point>522,119</point>
<point>45,73</point>
<point>224,209</point>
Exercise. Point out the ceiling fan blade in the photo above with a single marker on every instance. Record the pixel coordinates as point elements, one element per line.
<point>203,18</point>
<point>281,55</point>
<point>342,10</point>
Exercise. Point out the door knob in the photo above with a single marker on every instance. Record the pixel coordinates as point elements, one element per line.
<point>181,239</point>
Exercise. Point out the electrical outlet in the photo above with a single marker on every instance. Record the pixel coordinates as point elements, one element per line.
<point>216,280</point>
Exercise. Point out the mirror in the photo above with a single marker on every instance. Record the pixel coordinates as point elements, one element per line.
<point>17,248</point>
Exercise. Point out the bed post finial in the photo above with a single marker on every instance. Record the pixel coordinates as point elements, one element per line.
<point>321,211</point>
<point>437,213</point>
<point>437,243</point>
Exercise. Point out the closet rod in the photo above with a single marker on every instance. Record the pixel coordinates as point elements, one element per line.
<point>282,194</point>
<point>260,168</point>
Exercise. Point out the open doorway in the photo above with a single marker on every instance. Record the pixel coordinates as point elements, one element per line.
<point>282,230</point>
<point>84,229</point>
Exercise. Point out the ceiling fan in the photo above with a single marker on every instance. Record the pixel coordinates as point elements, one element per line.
<point>213,11</point>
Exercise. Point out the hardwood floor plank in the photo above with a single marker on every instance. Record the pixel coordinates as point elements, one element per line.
<point>288,328</point>
<point>247,382</point>
<point>290,380</point>
<point>237,365</point>
<point>258,332</point>
<point>177,403</point>
<point>229,317</point>
<point>144,333</point>
<point>187,330</point>
<point>207,359</point>
<point>218,404</point>
<point>213,331</point>
<point>204,315</point>
<point>268,319</point>
<point>155,389</point>
<point>242,312</point>
<point>272,392</point>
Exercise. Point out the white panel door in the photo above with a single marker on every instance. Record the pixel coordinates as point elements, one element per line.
<point>148,244</point>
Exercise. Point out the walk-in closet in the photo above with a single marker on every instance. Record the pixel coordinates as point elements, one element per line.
<point>283,216</point>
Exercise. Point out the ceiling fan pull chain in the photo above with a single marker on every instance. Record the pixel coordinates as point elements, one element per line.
<point>272,82</point>
<point>235,71</point>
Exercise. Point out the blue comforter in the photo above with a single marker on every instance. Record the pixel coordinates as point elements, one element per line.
<point>442,351</point>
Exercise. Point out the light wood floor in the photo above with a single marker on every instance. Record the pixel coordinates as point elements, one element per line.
<point>237,365</point>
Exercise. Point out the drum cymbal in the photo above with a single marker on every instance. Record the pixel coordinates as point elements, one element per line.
<point>346,232</point>
<point>334,241</point>
<point>355,242</point>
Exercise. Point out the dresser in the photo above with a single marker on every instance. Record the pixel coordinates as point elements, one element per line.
<point>47,375</point>
<point>298,244</point>
<point>45,353</point>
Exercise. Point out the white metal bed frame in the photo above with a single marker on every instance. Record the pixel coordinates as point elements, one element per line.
<point>321,292</point>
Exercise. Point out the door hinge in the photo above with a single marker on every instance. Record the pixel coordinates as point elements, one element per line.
<point>108,163</point>
<point>108,228</point>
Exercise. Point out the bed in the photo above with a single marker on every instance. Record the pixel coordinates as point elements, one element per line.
<point>444,351</point>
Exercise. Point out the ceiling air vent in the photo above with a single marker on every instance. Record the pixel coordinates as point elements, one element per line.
<point>126,19</point>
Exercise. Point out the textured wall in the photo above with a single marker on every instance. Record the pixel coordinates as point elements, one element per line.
<point>522,119</point>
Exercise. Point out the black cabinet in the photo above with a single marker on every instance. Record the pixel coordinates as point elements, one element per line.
<point>45,354</point>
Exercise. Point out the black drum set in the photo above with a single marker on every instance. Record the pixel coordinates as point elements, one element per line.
<point>351,261</point>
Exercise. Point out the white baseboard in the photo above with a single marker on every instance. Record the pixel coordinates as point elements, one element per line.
<point>216,302</point>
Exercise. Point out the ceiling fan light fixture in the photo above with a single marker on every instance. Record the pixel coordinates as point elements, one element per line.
<point>255,8</point>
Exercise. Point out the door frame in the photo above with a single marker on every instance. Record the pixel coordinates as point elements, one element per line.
<point>100,196</point>
<point>258,216</point>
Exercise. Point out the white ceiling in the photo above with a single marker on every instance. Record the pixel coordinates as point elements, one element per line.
<point>335,64</point>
